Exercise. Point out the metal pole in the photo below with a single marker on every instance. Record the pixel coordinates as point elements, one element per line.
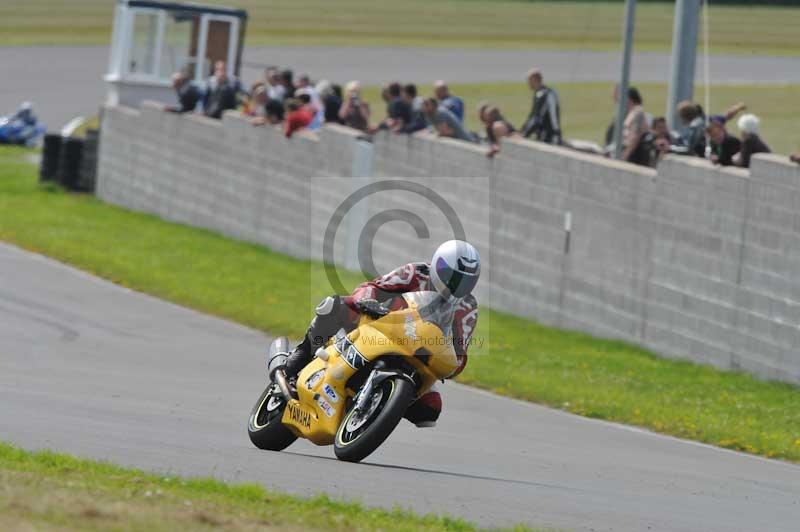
<point>684,52</point>
<point>627,47</point>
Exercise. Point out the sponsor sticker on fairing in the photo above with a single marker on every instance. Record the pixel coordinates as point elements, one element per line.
<point>324,405</point>
<point>330,393</point>
<point>314,379</point>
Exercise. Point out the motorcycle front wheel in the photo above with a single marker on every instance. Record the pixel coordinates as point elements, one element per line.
<point>265,428</point>
<point>360,433</point>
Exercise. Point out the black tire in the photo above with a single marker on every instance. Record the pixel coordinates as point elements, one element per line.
<point>265,428</point>
<point>396,395</point>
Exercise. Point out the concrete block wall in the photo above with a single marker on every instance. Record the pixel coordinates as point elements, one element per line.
<point>692,261</point>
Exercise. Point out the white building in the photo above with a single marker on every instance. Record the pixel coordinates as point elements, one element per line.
<point>151,40</point>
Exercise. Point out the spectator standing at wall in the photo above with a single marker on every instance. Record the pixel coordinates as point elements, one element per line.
<point>723,145</point>
<point>497,127</point>
<point>664,140</point>
<point>316,112</point>
<point>444,122</point>
<point>275,88</point>
<point>795,157</point>
<point>454,104</point>
<point>544,120</point>
<point>188,93</point>
<point>256,105</point>
<point>418,122</point>
<point>298,116</point>
<point>304,86</point>
<point>692,132</point>
<point>286,79</point>
<point>354,112</point>
<point>398,111</point>
<point>751,141</point>
<point>222,92</point>
<point>635,147</point>
<point>331,100</point>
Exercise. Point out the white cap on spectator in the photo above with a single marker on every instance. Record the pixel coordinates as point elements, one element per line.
<point>353,86</point>
<point>748,123</point>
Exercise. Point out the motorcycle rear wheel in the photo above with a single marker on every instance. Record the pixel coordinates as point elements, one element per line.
<point>265,428</point>
<point>357,438</point>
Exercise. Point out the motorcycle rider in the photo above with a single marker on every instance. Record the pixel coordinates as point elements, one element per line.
<point>453,272</point>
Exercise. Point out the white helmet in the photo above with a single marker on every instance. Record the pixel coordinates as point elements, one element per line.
<point>455,269</point>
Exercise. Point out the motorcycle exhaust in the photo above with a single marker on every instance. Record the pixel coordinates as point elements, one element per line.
<point>277,355</point>
<point>276,360</point>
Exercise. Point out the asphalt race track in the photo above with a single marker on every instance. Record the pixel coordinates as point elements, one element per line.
<point>93,369</point>
<point>66,81</point>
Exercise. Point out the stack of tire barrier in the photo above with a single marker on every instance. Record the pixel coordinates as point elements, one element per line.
<point>70,161</point>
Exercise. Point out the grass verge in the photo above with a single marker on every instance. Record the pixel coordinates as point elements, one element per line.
<point>49,491</point>
<point>588,25</point>
<point>257,287</point>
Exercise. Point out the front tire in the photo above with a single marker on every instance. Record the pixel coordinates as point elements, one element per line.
<point>360,434</point>
<point>265,428</point>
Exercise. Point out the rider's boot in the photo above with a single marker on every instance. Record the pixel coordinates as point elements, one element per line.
<point>330,317</point>
<point>425,411</point>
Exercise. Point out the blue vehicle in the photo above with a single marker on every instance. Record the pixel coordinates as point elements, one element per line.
<point>22,127</point>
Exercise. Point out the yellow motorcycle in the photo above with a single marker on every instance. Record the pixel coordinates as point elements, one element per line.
<point>358,387</point>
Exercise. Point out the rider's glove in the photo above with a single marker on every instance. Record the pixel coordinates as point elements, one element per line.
<point>371,308</point>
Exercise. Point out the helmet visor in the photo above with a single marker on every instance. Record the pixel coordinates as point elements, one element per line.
<point>459,284</point>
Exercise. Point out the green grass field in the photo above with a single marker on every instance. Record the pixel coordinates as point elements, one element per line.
<point>439,23</point>
<point>587,108</point>
<point>46,491</point>
<point>257,287</point>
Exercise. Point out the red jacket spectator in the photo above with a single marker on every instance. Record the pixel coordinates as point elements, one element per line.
<point>297,117</point>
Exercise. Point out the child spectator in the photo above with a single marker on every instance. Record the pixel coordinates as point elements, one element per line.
<point>723,145</point>
<point>454,104</point>
<point>354,111</point>
<point>751,141</point>
<point>298,116</point>
<point>544,120</point>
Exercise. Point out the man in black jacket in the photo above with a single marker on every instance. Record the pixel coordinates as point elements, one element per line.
<point>187,92</point>
<point>222,92</point>
<point>544,119</point>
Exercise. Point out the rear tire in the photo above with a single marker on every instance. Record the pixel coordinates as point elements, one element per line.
<point>354,444</point>
<point>265,428</point>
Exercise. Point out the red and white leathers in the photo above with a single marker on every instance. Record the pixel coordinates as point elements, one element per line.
<point>413,277</point>
<point>343,312</point>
